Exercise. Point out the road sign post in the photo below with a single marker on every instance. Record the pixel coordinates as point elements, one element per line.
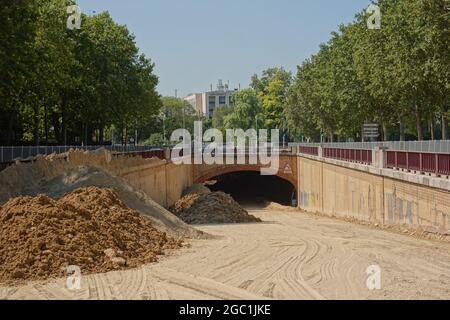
<point>370,131</point>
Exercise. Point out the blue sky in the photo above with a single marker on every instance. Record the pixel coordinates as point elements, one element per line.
<point>196,42</point>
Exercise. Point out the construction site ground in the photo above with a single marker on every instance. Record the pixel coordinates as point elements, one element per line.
<point>290,255</point>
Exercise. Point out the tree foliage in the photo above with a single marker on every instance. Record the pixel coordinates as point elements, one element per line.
<point>70,86</point>
<point>259,107</point>
<point>396,76</point>
<point>272,89</point>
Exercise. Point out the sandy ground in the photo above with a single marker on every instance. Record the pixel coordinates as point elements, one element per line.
<point>291,255</point>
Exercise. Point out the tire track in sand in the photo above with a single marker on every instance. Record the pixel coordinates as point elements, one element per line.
<point>291,256</point>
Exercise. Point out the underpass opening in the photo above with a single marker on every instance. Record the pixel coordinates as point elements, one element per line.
<point>250,188</point>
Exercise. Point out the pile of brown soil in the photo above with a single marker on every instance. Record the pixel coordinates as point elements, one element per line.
<point>55,177</point>
<point>211,208</point>
<point>197,189</point>
<point>29,178</point>
<point>90,228</point>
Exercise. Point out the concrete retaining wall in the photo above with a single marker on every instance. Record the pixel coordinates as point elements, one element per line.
<point>310,188</point>
<point>416,206</point>
<point>163,182</point>
<point>179,178</point>
<point>346,192</point>
<point>327,187</point>
<point>352,193</point>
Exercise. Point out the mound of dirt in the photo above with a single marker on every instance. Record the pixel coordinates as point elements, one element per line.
<point>197,189</point>
<point>279,207</point>
<point>211,208</point>
<point>90,228</point>
<point>82,177</point>
<point>57,174</point>
<point>28,178</point>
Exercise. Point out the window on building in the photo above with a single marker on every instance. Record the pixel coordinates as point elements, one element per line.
<point>222,100</point>
<point>212,102</point>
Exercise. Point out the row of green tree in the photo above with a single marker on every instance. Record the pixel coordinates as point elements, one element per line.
<point>175,114</point>
<point>70,86</point>
<point>397,76</point>
<point>85,86</point>
<point>259,107</point>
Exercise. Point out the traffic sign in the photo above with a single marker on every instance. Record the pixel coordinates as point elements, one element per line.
<point>371,130</point>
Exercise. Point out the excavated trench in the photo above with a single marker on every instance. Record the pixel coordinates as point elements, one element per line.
<point>252,189</point>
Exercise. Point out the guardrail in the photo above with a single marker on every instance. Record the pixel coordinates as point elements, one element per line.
<point>437,146</point>
<point>157,153</point>
<point>351,155</point>
<point>10,154</point>
<point>313,151</point>
<point>421,157</point>
<point>436,163</point>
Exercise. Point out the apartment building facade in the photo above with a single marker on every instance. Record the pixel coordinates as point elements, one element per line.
<point>205,103</point>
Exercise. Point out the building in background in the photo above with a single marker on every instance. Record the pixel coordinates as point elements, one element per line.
<point>205,103</point>
<point>196,101</point>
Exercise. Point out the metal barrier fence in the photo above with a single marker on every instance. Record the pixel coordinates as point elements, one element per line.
<point>9,154</point>
<point>442,146</point>
<point>314,151</point>
<point>351,155</point>
<point>157,153</point>
<point>437,163</point>
<point>418,156</point>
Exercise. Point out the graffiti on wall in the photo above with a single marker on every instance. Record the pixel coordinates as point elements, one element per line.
<point>430,215</point>
<point>308,200</point>
<point>400,211</point>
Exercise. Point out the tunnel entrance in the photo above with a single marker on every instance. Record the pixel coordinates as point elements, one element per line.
<point>250,188</point>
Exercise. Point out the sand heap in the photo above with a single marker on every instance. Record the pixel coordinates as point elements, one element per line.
<point>90,228</point>
<point>56,175</point>
<point>196,189</point>
<point>211,208</point>
<point>28,178</point>
<point>278,207</point>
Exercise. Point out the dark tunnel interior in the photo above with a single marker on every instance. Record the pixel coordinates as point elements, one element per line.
<point>252,189</point>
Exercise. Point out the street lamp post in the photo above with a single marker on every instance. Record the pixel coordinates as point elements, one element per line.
<point>164,126</point>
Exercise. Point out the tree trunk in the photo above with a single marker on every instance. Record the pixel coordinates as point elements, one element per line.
<point>63,121</point>
<point>444,127</point>
<point>36,126</point>
<point>101,136</point>
<point>46,124</point>
<point>419,123</point>
<point>56,126</point>
<point>82,133</point>
<point>385,132</point>
<point>126,135</point>
<point>431,121</point>
<point>331,137</point>
<point>86,133</point>
<point>402,130</point>
<point>9,136</point>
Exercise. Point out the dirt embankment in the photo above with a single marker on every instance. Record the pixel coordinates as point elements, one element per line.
<point>28,178</point>
<point>201,206</point>
<point>90,228</point>
<point>56,175</point>
<point>75,209</point>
